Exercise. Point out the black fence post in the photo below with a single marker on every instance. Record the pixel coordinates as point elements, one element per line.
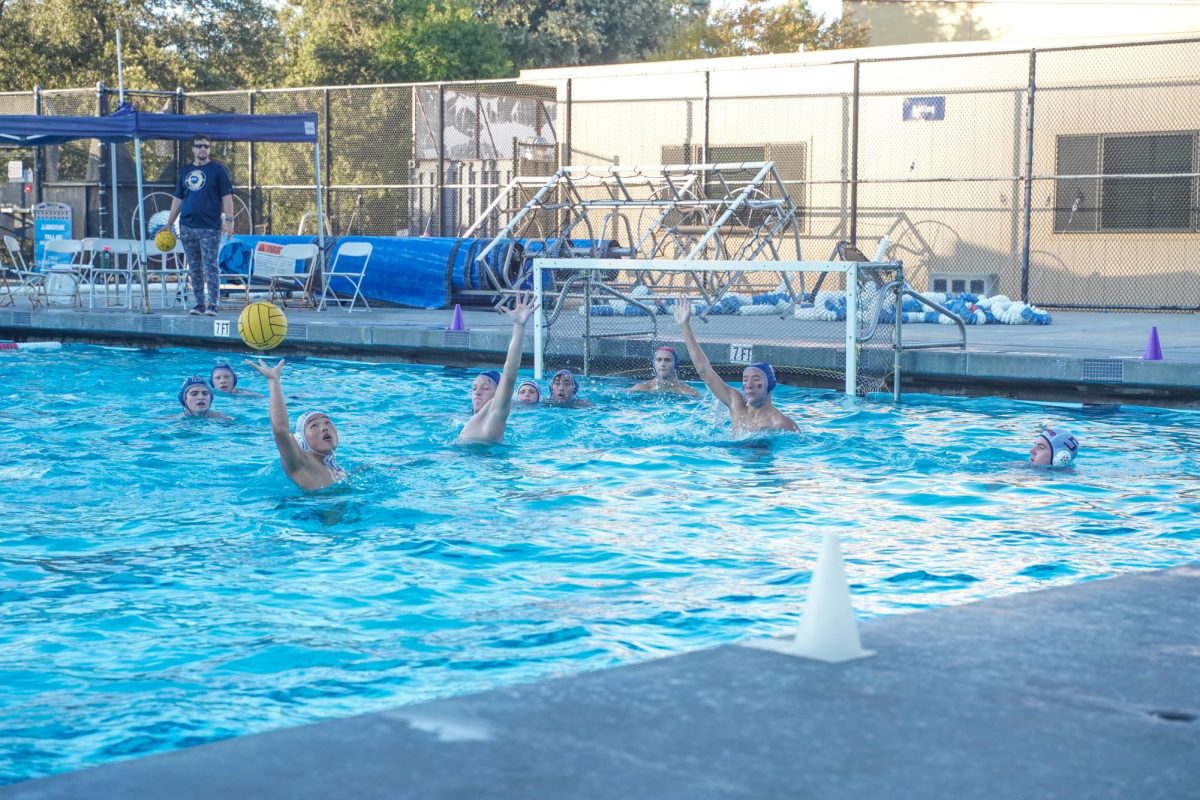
<point>567,156</point>
<point>854,158</point>
<point>328,165</point>
<point>252,205</point>
<point>1028,176</point>
<point>180,104</point>
<point>38,154</point>
<point>704,159</point>
<point>441,159</point>
<point>102,164</point>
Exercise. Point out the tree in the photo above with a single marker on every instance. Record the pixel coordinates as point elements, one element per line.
<point>443,44</point>
<point>550,33</point>
<point>334,41</point>
<point>215,44</point>
<point>363,41</point>
<point>758,28</point>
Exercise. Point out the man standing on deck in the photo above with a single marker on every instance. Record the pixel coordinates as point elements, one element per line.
<point>204,194</point>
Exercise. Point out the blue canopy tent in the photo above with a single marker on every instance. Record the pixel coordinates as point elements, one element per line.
<point>125,124</point>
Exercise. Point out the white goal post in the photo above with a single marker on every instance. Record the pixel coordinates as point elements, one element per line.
<point>567,289</point>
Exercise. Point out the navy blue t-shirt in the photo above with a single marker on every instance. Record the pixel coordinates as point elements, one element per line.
<point>201,190</point>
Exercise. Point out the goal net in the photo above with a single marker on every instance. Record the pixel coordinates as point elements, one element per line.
<point>819,323</point>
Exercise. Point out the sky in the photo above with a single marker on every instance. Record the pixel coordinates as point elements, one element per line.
<point>832,9</point>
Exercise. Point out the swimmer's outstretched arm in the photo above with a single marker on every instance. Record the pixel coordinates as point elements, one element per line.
<point>495,416</point>
<point>720,389</point>
<point>289,449</point>
<point>519,315</point>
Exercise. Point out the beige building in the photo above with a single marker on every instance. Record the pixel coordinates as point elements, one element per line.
<point>933,145</point>
<point>911,21</point>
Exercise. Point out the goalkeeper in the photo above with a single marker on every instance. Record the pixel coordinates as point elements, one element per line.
<point>749,410</point>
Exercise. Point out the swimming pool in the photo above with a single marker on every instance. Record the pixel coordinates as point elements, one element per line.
<point>162,584</point>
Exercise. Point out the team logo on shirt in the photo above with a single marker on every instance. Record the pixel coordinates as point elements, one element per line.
<point>194,180</point>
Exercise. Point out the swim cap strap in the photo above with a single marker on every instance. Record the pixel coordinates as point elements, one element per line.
<point>536,388</point>
<point>193,380</point>
<point>225,366</point>
<point>674,356</point>
<point>569,374</point>
<point>768,372</point>
<point>1063,446</point>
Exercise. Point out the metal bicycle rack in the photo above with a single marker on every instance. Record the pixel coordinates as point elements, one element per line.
<point>693,212</point>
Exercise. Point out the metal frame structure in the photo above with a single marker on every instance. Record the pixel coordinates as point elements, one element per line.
<point>735,212</point>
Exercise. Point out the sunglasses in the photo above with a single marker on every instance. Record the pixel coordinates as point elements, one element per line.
<point>202,146</point>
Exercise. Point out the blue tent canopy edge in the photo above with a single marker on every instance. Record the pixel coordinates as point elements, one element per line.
<point>31,130</point>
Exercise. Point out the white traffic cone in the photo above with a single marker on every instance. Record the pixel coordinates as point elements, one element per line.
<point>828,631</point>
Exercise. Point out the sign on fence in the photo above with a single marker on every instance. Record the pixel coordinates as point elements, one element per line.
<point>924,109</point>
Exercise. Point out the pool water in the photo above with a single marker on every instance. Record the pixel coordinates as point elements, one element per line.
<point>162,584</point>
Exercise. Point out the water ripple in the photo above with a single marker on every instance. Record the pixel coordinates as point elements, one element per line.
<point>162,584</point>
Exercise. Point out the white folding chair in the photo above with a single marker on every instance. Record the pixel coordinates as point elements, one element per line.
<point>300,280</point>
<point>275,264</point>
<point>110,262</point>
<point>59,270</point>
<point>358,254</point>
<point>20,271</point>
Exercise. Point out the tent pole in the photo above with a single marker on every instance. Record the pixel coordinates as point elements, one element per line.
<point>116,193</point>
<point>141,233</point>
<point>320,212</point>
<point>116,215</point>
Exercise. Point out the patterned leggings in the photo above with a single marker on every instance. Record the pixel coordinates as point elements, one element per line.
<point>201,246</point>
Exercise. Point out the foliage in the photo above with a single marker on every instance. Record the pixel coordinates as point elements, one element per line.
<point>167,43</point>
<point>341,42</point>
<point>443,44</point>
<point>334,42</point>
<point>550,33</point>
<point>759,27</point>
<point>220,44</point>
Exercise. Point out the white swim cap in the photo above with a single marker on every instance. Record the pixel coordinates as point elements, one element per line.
<point>1063,446</point>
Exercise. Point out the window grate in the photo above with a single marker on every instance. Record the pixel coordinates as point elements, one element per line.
<point>1103,370</point>
<point>457,340</point>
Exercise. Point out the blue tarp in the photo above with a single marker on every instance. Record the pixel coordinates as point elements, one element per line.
<point>123,126</point>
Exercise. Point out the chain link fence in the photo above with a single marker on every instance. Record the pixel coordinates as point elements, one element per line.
<point>1065,177</point>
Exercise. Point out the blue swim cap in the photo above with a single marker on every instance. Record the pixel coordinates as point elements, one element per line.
<point>669,349</point>
<point>1063,446</point>
<point>568,373</point>
<point>769,373</point>
<point>193,380</point>
<point>492,375</point>
<point>536,388</point>
<point>222,364</point>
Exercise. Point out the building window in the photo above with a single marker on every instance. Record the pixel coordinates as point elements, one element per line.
<point>1126,204</point>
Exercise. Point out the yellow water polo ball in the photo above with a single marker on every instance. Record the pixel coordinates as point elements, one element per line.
<point>164,240</point>
<point>262,325</point>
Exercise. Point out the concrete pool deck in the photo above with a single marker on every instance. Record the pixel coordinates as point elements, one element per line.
<point>1085,691</point>
<point>1082,357</point>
